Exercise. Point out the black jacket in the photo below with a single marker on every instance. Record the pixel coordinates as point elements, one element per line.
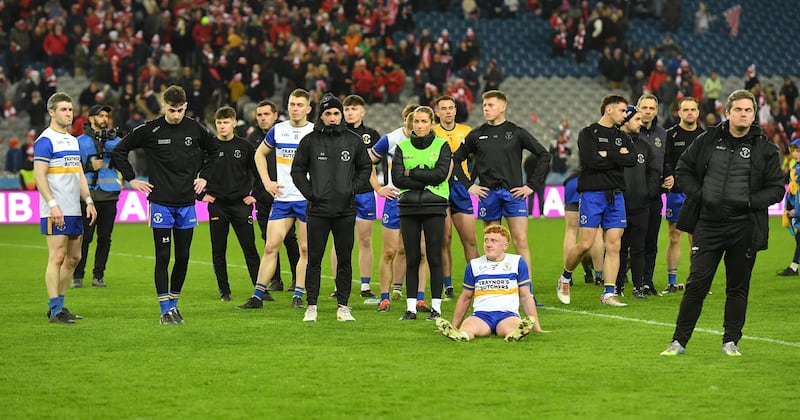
<point>418,200</point>
<point>766,180</point>
<point>176,155</point>
<point>642,182</point>
<point>600,173</point>
<point>330,165</point>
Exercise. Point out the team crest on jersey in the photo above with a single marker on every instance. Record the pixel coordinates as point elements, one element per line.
<point>434,156</point>
<point>509,135</point>
<point>366,138</point>
<point>385,218</point>
<point>250,220</point>
<point>187,141</point>
<point>62,227</point>
<point>618,142</point>
<point>584,219</point>
<point>669,212</point>
<point>345,156</point>
<point>237,154</point>
<point>157,217</point>
<point>507,266</point>
<point>482,211</point>
<point>640,158</point>
<point>745,153</point>
<point>657,142</point>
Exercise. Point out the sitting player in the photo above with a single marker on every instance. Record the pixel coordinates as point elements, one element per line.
<point>499,282</point>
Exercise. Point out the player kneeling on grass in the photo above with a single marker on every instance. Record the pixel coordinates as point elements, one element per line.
<point>499,282</point>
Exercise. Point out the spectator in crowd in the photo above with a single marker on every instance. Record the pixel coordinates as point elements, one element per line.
<point>14,156</point>
<point>711,89</point>
<point>789,91</point>
<point>702,19</point>
<point>37,110</point>
<point>493,77</point>
<point>579,43</point>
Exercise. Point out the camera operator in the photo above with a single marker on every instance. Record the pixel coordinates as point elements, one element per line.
<point>96,144</point>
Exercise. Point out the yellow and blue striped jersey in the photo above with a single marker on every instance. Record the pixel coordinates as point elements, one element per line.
<point>496,283</point>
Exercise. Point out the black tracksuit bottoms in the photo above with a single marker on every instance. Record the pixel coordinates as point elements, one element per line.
<point>222,215</point>
<point>633,240</point>
<point>319,227</point>
<point>711,242</point>
<point>104,225</point>
<point>651,240</point>
<point>411,227</point>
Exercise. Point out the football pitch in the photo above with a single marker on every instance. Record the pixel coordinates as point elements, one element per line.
<point>597,361</point>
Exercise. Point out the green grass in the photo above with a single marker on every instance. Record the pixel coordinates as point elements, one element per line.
<point>598,362</point>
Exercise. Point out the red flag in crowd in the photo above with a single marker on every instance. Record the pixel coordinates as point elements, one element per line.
<point>732,17</point>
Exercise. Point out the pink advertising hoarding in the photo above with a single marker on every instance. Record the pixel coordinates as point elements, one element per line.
<point>18,207</point>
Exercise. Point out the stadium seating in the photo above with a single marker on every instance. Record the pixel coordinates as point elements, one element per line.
<point>522,45</point>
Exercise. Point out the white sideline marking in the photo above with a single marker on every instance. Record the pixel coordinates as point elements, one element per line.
<point>664,324</point>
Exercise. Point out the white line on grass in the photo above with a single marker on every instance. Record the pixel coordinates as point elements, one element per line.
<point>549,308</point>
<point>664,324</point>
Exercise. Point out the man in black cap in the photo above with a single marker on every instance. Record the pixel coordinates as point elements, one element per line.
<point>330,165</point>
<point>96,144</point>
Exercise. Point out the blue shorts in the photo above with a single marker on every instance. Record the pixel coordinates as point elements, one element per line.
<point>391,215</point>
<point>365,206</point>
<point>596,211</point>
<point>674,204</point>
<point>460,200</point>
<point>501,204</point>
<point>287,209</point>
<point>166,217</point>
<point>73,225</point>
<point>571,196</point>
<point>493,318</point>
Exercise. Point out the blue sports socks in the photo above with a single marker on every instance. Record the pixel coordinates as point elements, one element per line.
<point>173,299</point>
<point>56,304</point>
<point>448,281</point>
<point>163,302</point>
<point>672,275</point>
<point>261,288</point>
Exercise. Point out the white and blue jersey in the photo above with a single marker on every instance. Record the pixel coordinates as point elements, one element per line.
<point>496,284</point>
<point>385,147</point>
<point>61,153</point>
<point>283,139</point>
